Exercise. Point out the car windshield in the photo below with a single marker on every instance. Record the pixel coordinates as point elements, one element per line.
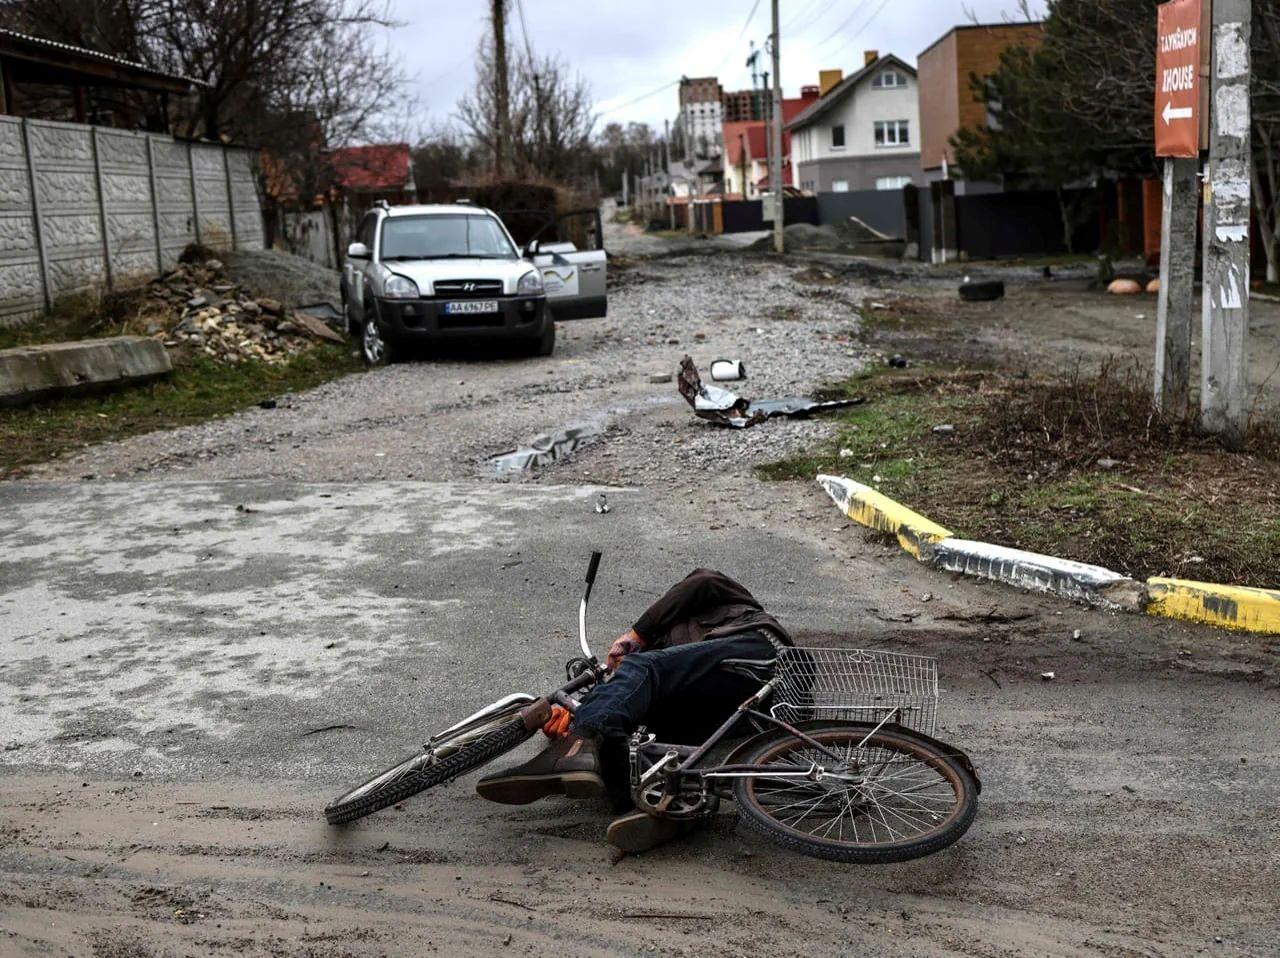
<point>445,236</point>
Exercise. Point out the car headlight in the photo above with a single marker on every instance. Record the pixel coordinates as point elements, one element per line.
<point>530,284</point>
<point>400,287</point>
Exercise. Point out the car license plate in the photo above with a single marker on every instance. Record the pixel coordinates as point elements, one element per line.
<point>473,306</point>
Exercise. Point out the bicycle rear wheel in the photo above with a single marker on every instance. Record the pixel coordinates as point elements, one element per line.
<point>891,798</point>
<point>423,770</point>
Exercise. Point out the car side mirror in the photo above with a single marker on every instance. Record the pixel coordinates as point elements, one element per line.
<point>728,370</point>
<point>357,251</point>
<point>531,250</point>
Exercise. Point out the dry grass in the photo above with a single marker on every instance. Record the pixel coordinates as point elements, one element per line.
<point>1077,465</point>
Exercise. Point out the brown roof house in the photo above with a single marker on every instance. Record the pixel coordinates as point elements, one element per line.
<point>944,85</point>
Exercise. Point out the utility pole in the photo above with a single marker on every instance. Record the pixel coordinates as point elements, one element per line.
<point>775,165</point>
<point>1177,285</point>
<point>1224,367</point>
<point>501,98</point>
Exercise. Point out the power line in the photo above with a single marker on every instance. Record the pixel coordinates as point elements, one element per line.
<point>643,96</point>
<point>857,33</point>
<point>729,54</point>
<point>843,23</point>
<point>750,16</point>
<point>524,32</point>
<point>809,13</point>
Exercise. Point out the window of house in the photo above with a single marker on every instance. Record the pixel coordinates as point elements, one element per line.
<point>893,132</point>
<point>888,79</point>
<point>892,182</point>
<point>837,137</point>
<point>840,186</point>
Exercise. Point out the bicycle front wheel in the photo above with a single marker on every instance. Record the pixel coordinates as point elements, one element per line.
<point>891,797</point>
<point>423,770</point>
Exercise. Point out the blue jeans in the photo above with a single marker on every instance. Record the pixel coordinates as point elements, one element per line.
<point>680,694</point>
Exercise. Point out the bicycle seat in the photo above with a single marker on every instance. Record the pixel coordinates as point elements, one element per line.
<point>758,670</point>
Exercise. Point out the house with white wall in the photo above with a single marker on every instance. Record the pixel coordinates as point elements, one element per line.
<point>863,132</point>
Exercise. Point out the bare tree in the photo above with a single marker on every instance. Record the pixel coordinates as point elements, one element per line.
<point>256,59</point>
<point>547,132</point>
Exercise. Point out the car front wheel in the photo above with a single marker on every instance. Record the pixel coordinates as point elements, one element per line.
<point>546,344</point>
<point>377,351</point>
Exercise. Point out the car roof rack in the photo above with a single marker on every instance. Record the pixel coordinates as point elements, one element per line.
<point>464,202</point>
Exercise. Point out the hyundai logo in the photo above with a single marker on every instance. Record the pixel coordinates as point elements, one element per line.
<point>469,287</point>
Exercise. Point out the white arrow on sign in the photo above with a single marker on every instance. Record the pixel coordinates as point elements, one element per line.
<point>1181,113</point>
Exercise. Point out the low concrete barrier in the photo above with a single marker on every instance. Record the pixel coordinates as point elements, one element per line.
<point>1227,606</point>
<point>870,508</point>
<point>31,373</point>
<point>1031,570</point>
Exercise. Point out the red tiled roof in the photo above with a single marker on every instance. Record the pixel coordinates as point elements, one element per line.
<point>753,135</point>
<point>381,166</point>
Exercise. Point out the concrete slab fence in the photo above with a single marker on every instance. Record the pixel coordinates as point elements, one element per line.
<point>86,208</point>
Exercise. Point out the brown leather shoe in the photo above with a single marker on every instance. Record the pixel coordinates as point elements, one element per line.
<point>639,831</point>
<point>568,766</point>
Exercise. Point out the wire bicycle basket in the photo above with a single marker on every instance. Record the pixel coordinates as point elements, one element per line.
<point>857,685</point>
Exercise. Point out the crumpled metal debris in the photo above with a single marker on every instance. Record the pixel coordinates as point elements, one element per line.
<point>544,450</point>
<point>718,405</point>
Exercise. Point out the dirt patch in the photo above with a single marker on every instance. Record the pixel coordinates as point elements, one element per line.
<point>815,276</point>
<point>1075,465</point>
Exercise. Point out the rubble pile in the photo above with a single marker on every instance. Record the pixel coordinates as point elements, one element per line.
<point>194,305</point>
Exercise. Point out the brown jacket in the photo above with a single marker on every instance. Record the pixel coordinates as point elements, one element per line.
<point>704,605</point>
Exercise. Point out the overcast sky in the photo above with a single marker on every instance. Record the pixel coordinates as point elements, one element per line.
<point>628,48</point>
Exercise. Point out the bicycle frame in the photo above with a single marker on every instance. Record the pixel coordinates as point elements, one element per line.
<point>679,763</point>
<point>685,759</point>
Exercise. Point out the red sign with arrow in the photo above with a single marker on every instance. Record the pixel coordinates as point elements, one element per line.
<point>1179,26</point>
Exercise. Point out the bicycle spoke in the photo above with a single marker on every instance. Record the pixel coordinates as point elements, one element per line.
<point>877,795</point>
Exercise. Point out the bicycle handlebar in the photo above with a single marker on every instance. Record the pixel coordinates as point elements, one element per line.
<point>582,607</point>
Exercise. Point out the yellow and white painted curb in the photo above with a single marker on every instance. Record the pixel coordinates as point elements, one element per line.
<point>1231,607</point>
<point>1031,570</point>
<point>867,507</point>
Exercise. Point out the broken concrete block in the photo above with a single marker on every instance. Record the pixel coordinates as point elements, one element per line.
<point>31,373</point>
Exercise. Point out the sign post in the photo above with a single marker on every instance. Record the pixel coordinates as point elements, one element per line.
<point>1180,62</point>
<point>1224,379</point>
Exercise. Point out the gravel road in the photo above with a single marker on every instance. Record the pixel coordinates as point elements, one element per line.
<point>444,418</point>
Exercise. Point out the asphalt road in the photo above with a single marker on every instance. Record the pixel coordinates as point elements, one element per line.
<point>190,667</point>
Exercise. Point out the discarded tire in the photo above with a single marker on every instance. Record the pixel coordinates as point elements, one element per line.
<point>982,292</point>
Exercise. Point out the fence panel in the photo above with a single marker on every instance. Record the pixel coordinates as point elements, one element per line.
<point>213,206</point>
<point>882,210</point>
<point>171,173</point>
<point>242,183</point>
<point>21,279</point>
<point>85,208</point>
<point>66,206</point>
<point>1028,223</point>
<point>124,176</point>
<point>310,235</point>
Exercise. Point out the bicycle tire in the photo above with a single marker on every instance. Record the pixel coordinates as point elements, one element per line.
<point>758,820</point>
<point>421,773</point>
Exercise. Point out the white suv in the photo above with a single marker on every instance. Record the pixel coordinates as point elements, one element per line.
<point>422,274</point>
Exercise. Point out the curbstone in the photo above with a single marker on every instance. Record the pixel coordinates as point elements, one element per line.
<point>31,373</point>
<point>1226,606</point>
<point>1030,570</point>
<point>870,508</point>
<point>1230,607</point>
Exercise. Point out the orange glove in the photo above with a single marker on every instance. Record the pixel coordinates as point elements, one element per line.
<point>558,725</point>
